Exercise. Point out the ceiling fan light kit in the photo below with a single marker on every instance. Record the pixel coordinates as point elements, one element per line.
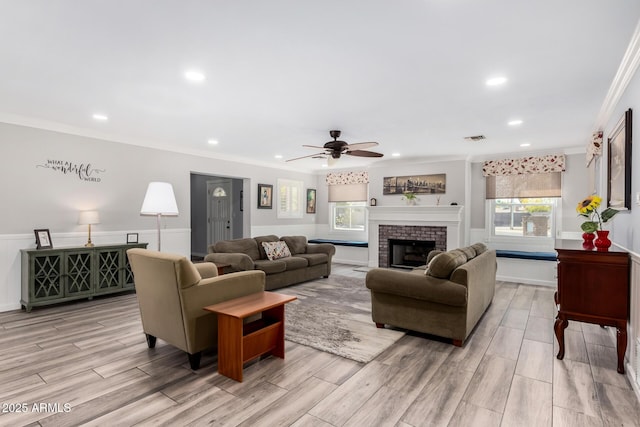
<point>333,150</point>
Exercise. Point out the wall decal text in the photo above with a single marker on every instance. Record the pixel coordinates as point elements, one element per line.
<point>84,171</point>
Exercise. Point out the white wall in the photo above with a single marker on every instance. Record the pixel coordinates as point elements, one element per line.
<point>456,172</point>
<point>39,197</point>
<point>625,227</point>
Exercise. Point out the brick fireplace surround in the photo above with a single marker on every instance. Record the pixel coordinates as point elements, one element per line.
<point>442,224</point>
<point>408,232</point>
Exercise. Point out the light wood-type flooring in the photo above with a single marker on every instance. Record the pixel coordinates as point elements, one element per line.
<point>87,363</point>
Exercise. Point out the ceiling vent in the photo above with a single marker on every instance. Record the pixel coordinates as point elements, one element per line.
<point>475,138</point>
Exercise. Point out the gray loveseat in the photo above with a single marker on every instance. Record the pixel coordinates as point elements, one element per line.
<point>307,261</point>
<point>446,299</point>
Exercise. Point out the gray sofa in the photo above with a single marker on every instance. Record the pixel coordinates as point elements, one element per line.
<point>445,298</point>
<point>307,261</point>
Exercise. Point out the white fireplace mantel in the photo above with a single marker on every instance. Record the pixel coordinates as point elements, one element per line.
<point>444,216</point>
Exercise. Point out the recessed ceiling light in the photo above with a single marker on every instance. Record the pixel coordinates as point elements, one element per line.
<point>496,81</point>
<point>324,165</point>
<point>525,144</point>
<point>395,154</point>
<point>278,156</point>
<point>194,76</point>
<point>515,122</point>
<point>213,141</point>
<point>100,117</point>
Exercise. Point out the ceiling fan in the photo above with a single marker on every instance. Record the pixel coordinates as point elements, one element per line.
<point>334,149</point>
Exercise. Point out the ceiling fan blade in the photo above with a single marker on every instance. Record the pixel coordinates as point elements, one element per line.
<point>314,146</point>
<point>304,157</point>
<point>363,153</point>
<point>362,145</point>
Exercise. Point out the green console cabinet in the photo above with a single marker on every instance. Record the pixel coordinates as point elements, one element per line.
<point>50,276</point>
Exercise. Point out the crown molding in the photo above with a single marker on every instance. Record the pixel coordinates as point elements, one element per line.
<point>625,73</point>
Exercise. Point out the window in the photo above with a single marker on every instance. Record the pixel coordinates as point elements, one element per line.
<point>523,217</point>
<point>290,201</point>
<point>348,216</point>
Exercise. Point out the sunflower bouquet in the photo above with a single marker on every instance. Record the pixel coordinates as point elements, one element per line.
<point>588,208</point>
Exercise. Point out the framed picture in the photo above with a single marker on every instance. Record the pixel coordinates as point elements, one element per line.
<point>265,196</point>
<point>419,184</point>
<point>43,239</point>
<point>619,165</point>
<point>132,237</point>
<point>311,200</point>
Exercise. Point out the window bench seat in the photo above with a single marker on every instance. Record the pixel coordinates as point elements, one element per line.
<point>352,243</point>
<point>541,256</point>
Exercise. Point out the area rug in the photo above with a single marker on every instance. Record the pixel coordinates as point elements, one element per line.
<point>334,315</point>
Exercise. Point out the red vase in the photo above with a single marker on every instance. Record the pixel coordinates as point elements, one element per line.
<point>588,237</point>
<point>602,242</point>
<point>587,240</point>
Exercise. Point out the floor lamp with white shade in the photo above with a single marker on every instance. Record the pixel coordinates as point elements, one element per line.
<point>159,201</point>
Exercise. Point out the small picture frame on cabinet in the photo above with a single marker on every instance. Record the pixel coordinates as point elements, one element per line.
<point>132,238</point>
<point>43,239</point>
<point>373,201</point>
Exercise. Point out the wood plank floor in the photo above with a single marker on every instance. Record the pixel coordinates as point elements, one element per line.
<point>87,363</point>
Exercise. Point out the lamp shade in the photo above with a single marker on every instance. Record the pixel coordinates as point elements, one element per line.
<point>159,200</point>
<point>88,217</point>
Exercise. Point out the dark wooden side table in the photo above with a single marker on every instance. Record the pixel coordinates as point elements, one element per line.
<point>221,267</point>
<point>593,287</point>
<point>237,342</point>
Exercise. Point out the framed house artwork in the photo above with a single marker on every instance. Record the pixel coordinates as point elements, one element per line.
<point>619,165</point>
<point>311,200</point>
<point>265,196</point>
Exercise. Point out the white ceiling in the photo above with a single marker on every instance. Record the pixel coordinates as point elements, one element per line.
<point>409,74</point>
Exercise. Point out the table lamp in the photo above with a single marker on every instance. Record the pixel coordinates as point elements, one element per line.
<point>88,218</point>
<point>159,201</point>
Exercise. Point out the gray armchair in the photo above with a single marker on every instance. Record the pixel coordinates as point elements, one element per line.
<point>172,292</point>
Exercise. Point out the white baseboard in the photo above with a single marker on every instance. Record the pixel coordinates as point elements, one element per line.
<point>349,261</point>
<point>9,307</point>
<point>526,280</point>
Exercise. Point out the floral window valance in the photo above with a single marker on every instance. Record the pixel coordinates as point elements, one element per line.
<point>344,178</point>
<point>595,147</point>
<point>525,165</point>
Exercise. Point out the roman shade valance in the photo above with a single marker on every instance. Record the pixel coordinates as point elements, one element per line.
<point>527,177</point>
<point>594,148</point>
<point>348,186</point>
<point>525,165</point>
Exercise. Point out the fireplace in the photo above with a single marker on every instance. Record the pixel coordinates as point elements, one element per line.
<point>400,233</point>
<point>409,253</point>
<point>441,224</point>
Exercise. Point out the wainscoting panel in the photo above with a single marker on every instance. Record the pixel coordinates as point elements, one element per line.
<point>633,332</point>
<point>308,230</point>
<point>173,240</point>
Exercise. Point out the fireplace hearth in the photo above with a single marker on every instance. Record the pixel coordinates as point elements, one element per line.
<point>409,254</point>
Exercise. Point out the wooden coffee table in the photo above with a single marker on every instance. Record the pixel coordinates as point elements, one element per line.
<point>237,342</point>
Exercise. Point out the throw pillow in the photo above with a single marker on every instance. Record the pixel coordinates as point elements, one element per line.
<point>442,265</point>
<point>432,255</point>
<point>469,251</point>
<point>479,247</point>
<point>276,250</point>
